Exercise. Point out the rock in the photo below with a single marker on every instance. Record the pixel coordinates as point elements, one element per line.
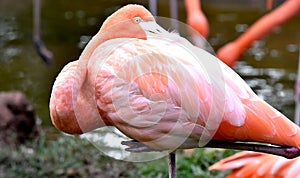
<point>17,118</point>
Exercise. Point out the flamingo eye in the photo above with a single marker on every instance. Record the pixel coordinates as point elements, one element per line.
<point>137,20</point>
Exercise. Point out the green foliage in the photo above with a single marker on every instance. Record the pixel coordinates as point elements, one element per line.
<point>196,164</point>
<point>71,156</point>
<point>66,156</point>
<point>188,165</point>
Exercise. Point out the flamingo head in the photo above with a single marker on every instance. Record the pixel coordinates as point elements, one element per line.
<point>125,23</point>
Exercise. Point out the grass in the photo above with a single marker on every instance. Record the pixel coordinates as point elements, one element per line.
<point>70,156</point>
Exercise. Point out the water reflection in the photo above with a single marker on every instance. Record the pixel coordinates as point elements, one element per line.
<point>9,34</point>
<point>270,84</point>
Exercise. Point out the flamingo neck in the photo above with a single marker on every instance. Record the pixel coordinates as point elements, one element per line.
<point>192,6</point>
<point>267,23</point>
<point>83,99</point>
<point>83,94</point>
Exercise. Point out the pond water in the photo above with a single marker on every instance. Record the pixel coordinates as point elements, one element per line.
<point>269,67</point>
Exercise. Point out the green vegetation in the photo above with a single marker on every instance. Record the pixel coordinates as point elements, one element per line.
<point>193,164</point>
<point>70,156</point>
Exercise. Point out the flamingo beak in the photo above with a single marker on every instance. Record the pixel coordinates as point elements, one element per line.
<point>151,28</point>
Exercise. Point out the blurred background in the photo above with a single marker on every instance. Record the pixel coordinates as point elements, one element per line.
<point>269,67</point>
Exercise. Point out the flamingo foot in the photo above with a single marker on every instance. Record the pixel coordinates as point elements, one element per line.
<point>135,146</point>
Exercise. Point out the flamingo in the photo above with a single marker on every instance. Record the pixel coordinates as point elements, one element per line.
<point>148,83</point>
<point>196,18</point>
<point>41,49</point>
<point>250,164</point>
<point>254,164</point>
<point>231,52</point>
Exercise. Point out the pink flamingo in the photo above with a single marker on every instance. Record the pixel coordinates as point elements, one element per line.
<point>249,164</point>
<point>196,18</point>
<point>231,52</point>
<point>62,112</point>
<point>98,90</point>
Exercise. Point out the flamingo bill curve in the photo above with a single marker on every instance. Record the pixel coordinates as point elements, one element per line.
<point>159,89</point>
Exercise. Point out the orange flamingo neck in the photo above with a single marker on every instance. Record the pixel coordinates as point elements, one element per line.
<point>231,52</point>
<point>192,6</point>
<point>268,23</point>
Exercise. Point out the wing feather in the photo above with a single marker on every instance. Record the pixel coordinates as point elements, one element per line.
<point>251,164</point>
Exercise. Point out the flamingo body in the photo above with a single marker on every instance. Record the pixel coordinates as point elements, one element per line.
<point>253,165</point>
<point>157,88</point>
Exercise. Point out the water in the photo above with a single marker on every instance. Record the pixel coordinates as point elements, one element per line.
<point>269,67</point>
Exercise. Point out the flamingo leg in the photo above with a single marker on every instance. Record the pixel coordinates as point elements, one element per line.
<point>269,4</point>
<point>41,49</point>
<point>287,152</point>
<point>174,13</point>
<point>153,7</point>
<point>173,9</point>
<point>172,155</point>
<point>172,164</point>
